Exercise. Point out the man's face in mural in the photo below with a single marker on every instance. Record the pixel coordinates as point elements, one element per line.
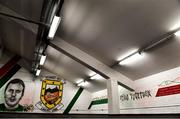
<point>13,94</point>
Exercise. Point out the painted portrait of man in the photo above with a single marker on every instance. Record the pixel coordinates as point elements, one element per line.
<point>13,93</point>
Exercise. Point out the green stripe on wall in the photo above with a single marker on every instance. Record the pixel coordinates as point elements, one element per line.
<point>97,102</point>
<point>71,104</point>
<point>9,74</point>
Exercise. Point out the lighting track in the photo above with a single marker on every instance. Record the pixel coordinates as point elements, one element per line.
<point>50,9</point>
<point>149,46</point>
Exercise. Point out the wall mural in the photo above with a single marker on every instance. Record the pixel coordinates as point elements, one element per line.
<point>169,87</point>
<point>33,95</point>
<point>13,93</point>
<point>51,95</point>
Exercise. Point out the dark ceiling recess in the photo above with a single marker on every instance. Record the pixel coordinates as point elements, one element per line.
<point>49,10</point>
<point>23,19</point>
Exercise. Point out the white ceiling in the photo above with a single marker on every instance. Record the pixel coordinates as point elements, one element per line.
<point>106,30</point>
<point>111,29</point>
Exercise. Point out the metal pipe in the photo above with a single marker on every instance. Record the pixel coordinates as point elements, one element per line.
<point>23,19</point>
<point>60,7</point>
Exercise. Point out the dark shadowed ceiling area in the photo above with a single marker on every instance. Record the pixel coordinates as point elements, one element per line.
<point>106,30</point>
<point>16,38</point>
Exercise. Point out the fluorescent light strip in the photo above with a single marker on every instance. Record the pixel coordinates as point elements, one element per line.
<point>54,26</point>
<point>80,84</point>
<point>177,33</point>
<point>131,59</point>
<point>132,51</point>
<point>38,72</point>
<point>84,83</point>
<point>42,60</point>
<point>96,76</point>
<point>79,81</point>
<point>92,73</point>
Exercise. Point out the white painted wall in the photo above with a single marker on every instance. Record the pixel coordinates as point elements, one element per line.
<point>101,108</point>
<point>147,105</point>
<point>81,105</point>
<point>164,104</point>
<point>102,93</point>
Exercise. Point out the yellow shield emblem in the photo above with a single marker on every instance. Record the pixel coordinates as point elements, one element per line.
<point>51,93</point>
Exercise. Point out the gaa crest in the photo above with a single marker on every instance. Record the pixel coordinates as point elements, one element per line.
<point>51,95</point>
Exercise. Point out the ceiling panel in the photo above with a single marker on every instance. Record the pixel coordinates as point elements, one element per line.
<point>109,29</point>
<point>17,39</point>
<point>30,9</point>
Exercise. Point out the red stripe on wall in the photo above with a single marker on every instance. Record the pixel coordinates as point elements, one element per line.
<point>9,65</point>
<point>171,90</point>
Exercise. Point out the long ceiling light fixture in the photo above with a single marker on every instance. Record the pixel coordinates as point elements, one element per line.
<point>82,83</point>
<point>55,21</point>
<point>42,60</point>
<point>131,58</point>
<point>54,26</point>
<point>38,71</point>
<point>50,15</point>
<point>139,54</point>
<point>92,76</point>
<point>177,33</point>
<point>96,76</point>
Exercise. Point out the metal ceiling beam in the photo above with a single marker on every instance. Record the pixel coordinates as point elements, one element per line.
<point>77,59</point>
<point>90,62</point>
